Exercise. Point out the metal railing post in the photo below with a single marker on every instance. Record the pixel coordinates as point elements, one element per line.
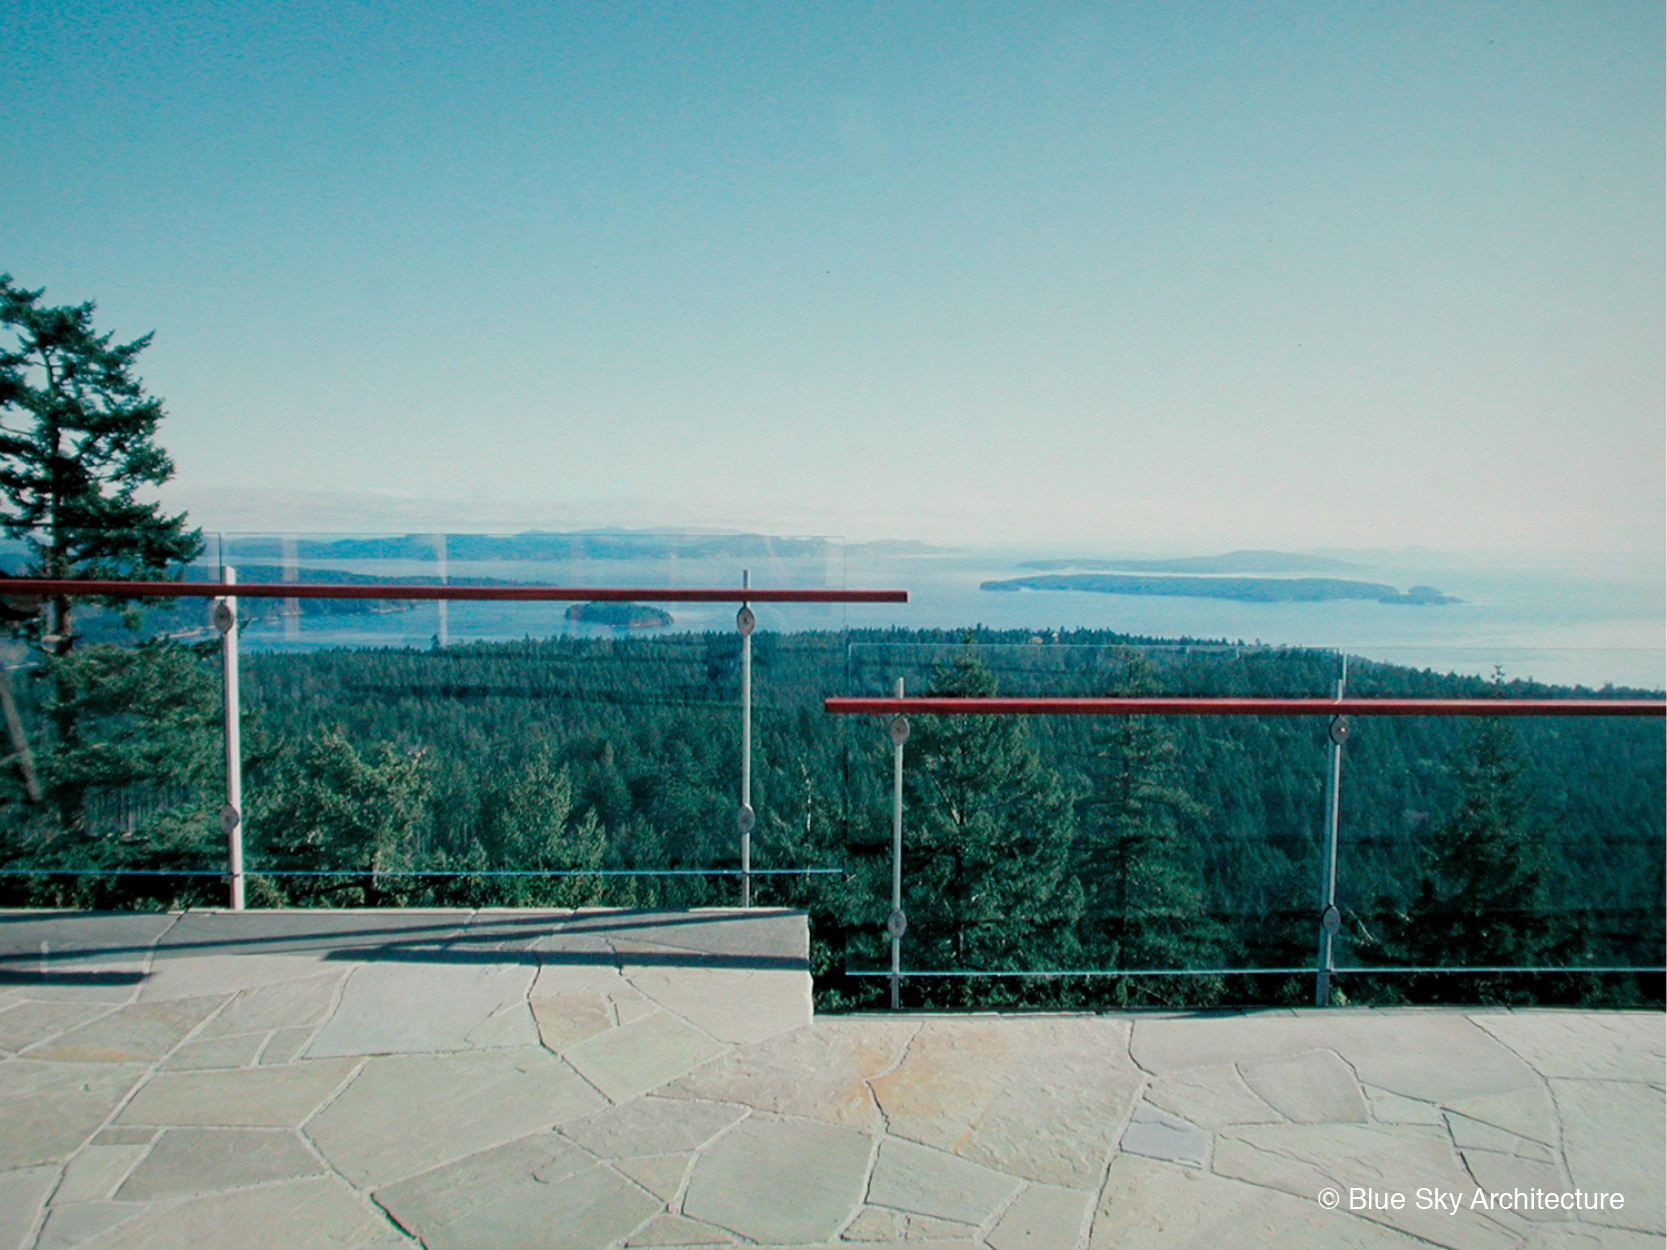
<point>21,754</point>
<point>442,619</point>
<point>744,622</point>
<point>1331,920</point>
<point>897,923</point>
<point>231,815</point>
<point>289,611</point>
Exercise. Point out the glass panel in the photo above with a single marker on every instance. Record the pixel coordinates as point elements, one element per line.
<point>544,753</point>
<point>113,760</point>
<point>1084,861</point>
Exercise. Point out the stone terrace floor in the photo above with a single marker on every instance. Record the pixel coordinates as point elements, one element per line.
<point>505,1079</point>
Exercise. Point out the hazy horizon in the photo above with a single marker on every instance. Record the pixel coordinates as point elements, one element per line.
<point>1184,278</point>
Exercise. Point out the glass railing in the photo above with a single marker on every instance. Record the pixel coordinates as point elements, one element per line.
<point>1187,857</point>
<point>403,750</point>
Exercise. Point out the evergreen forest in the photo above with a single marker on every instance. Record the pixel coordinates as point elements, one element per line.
<point>1142,861</point>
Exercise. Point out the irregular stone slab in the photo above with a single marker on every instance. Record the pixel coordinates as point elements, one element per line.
<point>1574,1237</point>
<point>208,975</point>
<point>407,1007</point>
<point>570,1018</point>
<point>661,1175</point>
<point>1302,1159</point>
<point>1397,1051</point>
<point>1313,1088</point>
<point>1156,1207</point>
<point>732,1004</point>
<point>947,1234</point>
<point>93,1175</point>
<point>199,1160</point>
<point>1602,1045</point>
<point>573,1002</point>
<point>679,1230</point>
<point>216,1052</point>
<point>286,1045</point>
<point>510,1025</point>
<point>1388,1108</point>
<point>1389,1048</point>
<point>568,952</point>
<point>932,1182</point>
<point>21,1195</point>
<point>72,1224</point>
<point>634,1058</point>
<point>1044,1217</point>
<point>243,1098</point>
<point>1156,1134</point>
<point>140,1032</point>
<point>1040,1098</point>
<point>517,929</point>
<point>1468,1134</point>
<point>95,957</point>
<point>1525,1112</point>
<point>876,1224</point>
<point>30,1023</point>
<point>1164,1044</point>
<point>289,1004</point>
<point>1614,1138</point>
<point>651,1126</point>
<point>780,1181</point>
<point>124,1135</point>
<point>333,933</point>
<point>1211,1097</point>
<point>316,1214</point>
<point>764,936</point>
<point>49,1109</point>
<point>820,1072</point>
<point>406,1113</point>
<point>537,1191</point>
<point>1503,1174</point>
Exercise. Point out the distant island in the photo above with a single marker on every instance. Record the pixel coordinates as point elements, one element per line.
<point>620,615</point>
<point>1250,589</point>
<point>1421,594</point>
<point>1232,562</point>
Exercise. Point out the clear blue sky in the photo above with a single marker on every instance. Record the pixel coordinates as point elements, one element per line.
<point>1116,275</point>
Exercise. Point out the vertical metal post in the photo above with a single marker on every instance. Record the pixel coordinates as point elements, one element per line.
<point>21,753</point>
<point>744,622</point>
<point>289,610</point>
<point>231,815</point>
<point>897,923</point>
<point>1331,920</point>
<point>442,630</point>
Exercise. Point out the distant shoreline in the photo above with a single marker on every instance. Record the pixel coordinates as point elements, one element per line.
<point>1247,589</point>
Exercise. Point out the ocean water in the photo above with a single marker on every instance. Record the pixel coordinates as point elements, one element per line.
<point>1589,622</point>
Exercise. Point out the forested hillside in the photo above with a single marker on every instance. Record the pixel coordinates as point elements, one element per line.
<point>1153,845</point>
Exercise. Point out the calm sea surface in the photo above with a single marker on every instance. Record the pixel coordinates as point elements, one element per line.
<point>1587,622</point>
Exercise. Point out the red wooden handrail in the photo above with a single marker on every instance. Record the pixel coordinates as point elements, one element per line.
<point>17,586</point>
<point>1245,707</point>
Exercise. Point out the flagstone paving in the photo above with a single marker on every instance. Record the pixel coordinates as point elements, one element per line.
<point>587,1080</point>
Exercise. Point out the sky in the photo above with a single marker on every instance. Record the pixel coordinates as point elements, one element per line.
<point>1164,277</point>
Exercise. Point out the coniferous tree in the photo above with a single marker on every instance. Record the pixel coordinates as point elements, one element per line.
<point>987,839</point>
<point>1481,896</point>
<point>529,823</point>
<point>327,808</point>
<point>1482,899</point>
<point>1139,857</point>
<point>77,445</point>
